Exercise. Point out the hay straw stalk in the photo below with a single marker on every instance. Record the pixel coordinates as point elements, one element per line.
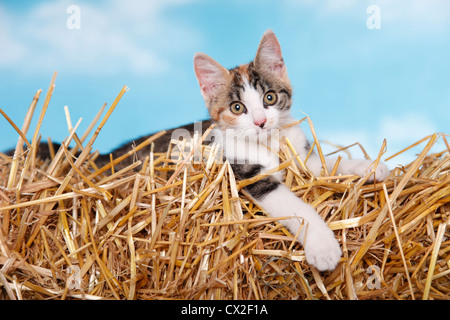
<point>171,228</point>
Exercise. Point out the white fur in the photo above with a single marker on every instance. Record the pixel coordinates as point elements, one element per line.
<point>321,248</point>
<point>253,101</point>
<point>250,144</point>
<point>247,142</point>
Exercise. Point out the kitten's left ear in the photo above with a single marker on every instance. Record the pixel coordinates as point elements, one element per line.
<point>211,76</point>
<point>268,57</point>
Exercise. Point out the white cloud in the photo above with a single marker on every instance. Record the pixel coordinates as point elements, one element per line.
<point>408,17</point>
<point>10,49</point>
<point>426,14</point>
<point>407,128</point>
<point>400,132</point>
<point>344,138</point>
<point>114,36</point>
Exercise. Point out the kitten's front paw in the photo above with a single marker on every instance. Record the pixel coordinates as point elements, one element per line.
<point>381,173</point>
<point>322,249</point>
<point>365,166</point>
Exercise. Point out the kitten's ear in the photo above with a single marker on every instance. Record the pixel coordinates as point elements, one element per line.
<point>211,76</point>
<point>268,57</point>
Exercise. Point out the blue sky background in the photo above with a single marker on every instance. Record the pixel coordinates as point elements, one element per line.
<point>356,83</point>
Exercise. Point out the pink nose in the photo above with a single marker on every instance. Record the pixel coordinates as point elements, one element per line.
<point>260,123</point>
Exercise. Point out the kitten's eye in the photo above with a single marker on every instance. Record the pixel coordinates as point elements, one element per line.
<point>270,98</point>
<point>237,108</point>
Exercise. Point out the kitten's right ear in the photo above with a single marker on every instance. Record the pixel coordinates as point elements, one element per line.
<point>269,58</point>
<point>211,76</point>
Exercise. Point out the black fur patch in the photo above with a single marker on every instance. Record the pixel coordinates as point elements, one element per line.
<point>236,87</point>
<point>246,171</point>
<point>259,189</point>
<point>256,80</point>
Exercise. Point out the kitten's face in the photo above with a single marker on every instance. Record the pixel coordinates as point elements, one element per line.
<point>254,96</point>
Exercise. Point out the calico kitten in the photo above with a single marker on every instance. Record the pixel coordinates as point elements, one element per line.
<point>249,104</point>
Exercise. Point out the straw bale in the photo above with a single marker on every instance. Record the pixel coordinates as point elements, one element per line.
<point>168,227</point>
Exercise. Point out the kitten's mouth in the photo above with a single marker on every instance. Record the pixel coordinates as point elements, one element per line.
<point>260,130</point>
<point>264,128</point>
<point>263,132</point>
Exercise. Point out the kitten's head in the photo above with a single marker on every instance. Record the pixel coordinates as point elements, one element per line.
<point>255,96</point>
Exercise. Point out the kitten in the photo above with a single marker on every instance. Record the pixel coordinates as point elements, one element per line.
<point>249,104</point>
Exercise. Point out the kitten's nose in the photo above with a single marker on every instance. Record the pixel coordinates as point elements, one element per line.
<point>260,123</point>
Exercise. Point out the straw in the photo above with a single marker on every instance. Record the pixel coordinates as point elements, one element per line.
<point>166,227</point>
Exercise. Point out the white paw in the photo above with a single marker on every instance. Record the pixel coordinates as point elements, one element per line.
<point>381,173</point>
<point>322,249</point>
<point>365,166</point>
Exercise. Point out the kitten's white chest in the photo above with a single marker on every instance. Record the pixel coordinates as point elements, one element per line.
<point>260,147</point>
<point>297,138</point>
<point>250,146</point>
